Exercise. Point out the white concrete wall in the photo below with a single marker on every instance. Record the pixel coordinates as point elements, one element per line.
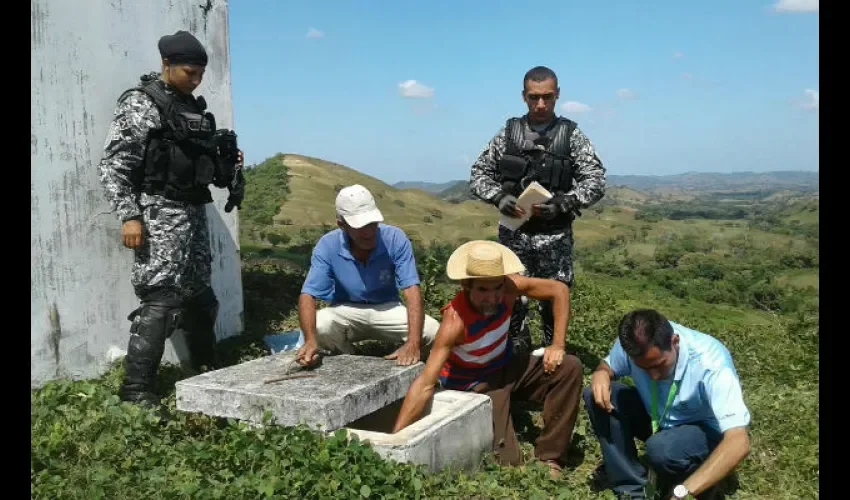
<point>84,54</point>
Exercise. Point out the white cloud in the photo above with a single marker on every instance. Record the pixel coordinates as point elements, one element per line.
<point>415,90</point>
<point>678,55</point>
<point>313,34</point>
<point>575,107</point>
<point>811,101</point>
<point>626,94</point>
<point>687,76</point>
<point>796,6</point>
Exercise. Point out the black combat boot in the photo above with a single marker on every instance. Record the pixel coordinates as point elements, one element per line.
<point>150,327</point>
<point>199,327</point>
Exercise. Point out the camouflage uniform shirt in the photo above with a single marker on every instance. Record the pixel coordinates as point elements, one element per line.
<point>175,252</point>
<point>588,173</point>
<point>545,255</point>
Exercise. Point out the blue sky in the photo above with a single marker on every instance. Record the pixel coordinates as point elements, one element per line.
<point>660,87</point>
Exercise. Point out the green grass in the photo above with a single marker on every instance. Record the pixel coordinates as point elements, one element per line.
<point>85,444</point>
<point>803,278</point>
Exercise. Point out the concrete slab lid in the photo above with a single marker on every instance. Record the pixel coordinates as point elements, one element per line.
<point>343,389</point>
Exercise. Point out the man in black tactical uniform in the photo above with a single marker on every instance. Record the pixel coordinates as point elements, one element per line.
<point>162,152</point>
<point>539,146</point>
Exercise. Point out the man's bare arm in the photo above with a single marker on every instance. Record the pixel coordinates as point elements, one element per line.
<point>732,450</point>
<point>306,354</point>
<point>415,317</point>
<point>307,316</point>
<point>546,289</point>
<point>422,388</point>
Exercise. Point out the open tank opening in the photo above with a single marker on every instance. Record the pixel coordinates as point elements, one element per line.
<point>382,420</point>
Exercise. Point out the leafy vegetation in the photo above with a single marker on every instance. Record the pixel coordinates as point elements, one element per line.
<point>751,286</point>
<point>266,187</point>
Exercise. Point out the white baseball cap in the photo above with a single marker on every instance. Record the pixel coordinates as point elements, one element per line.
<point>357,207</point>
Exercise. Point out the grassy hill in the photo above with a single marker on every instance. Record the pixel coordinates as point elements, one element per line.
<point>306,207</point>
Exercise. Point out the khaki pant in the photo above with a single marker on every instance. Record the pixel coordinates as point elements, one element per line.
<point>523,379</point>
<point>339,325</point>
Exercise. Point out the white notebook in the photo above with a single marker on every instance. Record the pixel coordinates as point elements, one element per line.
<point>533,194</point>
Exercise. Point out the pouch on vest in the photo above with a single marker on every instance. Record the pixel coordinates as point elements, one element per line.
<point>562,177</point>
<point>228,156</point>
<point>512,168</point>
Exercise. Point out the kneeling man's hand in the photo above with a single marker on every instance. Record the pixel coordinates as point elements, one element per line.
<point>407,354</point>
<point>306,355</point>
<point>600,384</point>
<point>552,358</point>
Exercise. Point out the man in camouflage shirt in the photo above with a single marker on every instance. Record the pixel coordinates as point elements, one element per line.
<point>161,153</point>
<point>552,150</point>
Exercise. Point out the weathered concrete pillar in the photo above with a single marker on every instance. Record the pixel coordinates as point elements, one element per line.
<point>83,57</point>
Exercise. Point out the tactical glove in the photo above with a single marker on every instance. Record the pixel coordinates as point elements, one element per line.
<point>507,204</point>
<point>557,205</point>
<point>237,192</point>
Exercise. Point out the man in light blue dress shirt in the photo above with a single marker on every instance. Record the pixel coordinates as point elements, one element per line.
<point>686,405</point>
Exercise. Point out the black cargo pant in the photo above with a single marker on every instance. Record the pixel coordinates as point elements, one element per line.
<point>171,277</point>
<point>545,255</point>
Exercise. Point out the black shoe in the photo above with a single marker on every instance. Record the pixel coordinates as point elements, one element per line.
<point>135,396</point>
<point>598,479</point>
<point>151,402</point>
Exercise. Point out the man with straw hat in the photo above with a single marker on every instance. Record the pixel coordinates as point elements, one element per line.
<point>472,352</point>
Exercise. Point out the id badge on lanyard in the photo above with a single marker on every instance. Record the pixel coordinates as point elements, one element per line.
<point>656,420</point>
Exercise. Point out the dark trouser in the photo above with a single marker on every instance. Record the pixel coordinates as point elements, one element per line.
<point>673,453</point>
<point>171,277</point>
<point>155,321</point>
<point>523,378</point>
<point>544,256</point>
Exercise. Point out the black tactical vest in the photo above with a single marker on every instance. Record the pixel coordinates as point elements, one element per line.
<point>543,157</point>
<point>181,157</point>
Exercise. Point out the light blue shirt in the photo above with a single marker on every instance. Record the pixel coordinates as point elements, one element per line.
<point>336,276</point>
<point>709,387</point>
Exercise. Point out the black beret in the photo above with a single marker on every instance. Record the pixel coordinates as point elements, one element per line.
<point>182,48</point>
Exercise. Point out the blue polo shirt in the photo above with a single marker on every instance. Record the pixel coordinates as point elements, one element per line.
<point>709,387</point>
<point>336,276</point>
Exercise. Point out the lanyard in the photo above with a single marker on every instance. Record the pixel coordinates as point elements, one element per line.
<point>670,397</point>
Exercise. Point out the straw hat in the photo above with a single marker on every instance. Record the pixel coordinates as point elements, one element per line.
<point>482,259</point>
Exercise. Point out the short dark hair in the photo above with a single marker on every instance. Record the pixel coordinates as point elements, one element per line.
<point>642,329</point>
<point>539,74</point>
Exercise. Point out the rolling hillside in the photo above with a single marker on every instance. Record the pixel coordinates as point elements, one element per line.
<point>308,207</point>
<point>679,187</point>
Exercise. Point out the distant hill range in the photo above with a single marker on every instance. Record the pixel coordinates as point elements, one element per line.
<point>428,187</point>
<point>682,186</point>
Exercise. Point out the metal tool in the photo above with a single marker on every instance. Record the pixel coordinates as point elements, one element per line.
<point>289,373</point>
<point>288,377</point>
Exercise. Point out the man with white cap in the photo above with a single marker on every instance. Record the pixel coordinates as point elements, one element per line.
<point>472,352</point>
<point>359,269</point>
